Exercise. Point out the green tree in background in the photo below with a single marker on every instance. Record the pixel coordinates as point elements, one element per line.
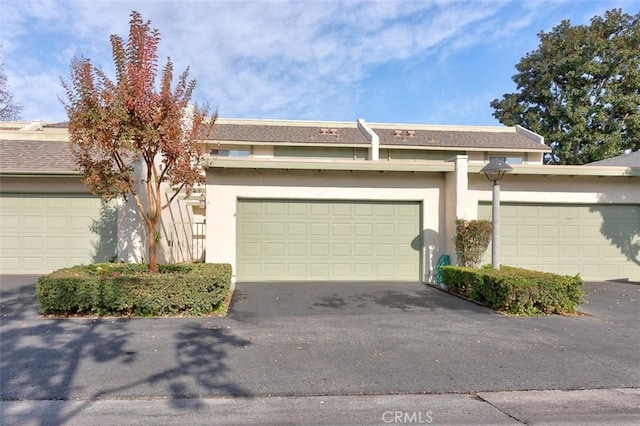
<point>580,89</point>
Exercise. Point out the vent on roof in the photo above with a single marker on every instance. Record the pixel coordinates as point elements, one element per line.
<point>329,131</point>
<point>404,134</point>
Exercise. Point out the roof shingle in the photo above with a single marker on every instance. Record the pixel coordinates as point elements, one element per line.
<point>458,139</point>
<point>266,133</point>
<point>24,155</point>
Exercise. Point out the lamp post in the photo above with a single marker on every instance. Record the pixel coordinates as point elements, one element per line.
<point>495,171</point>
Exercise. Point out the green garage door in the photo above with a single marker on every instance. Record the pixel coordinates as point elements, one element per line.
<point>327,240</point>
<point>41,233</point>
<point>596,241</point>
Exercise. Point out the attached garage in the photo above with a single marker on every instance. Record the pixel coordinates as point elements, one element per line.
<point>45,232</point>
<point>595,240</point>
<point>327,240</point>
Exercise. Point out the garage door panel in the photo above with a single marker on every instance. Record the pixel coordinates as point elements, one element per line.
<point>361,250</point>
<point>297,269</point>
<point>319,229</point>
<point>570,238</point>
<point>274,210</point>
<point>274,228</point>
<point>340,230</point>
<point>341,249</point>
<point>337,240</point>
<point>548,231</point>
<point>274,268</point>
<point>9,222</point>
<point>589,251</point>
<point>297,249</point>
<point>32,223</point>
<point>385,250</point>
<point>363,230</point>
<point>341,209</point>
<point>319,250</point>
<point>339,270</point>
<point>362,210</point>
<point>60,223</point>
<point>318,209</point>
<point>319,270</point>
<point>56,243</point>
<point>274,249</point>
<point>529,250</point>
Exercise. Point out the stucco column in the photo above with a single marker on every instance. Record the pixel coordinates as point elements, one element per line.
<point>131,245</point>
<point>457,205</point>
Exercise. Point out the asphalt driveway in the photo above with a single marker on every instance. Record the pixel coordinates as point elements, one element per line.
<point>298,339</point>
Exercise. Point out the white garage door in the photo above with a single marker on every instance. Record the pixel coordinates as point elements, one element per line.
<point>327,240</point>
<point>42,233</point>
<point>598,241</point>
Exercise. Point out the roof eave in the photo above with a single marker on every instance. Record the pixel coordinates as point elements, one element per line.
<point>39,173</point>
<point>553,170</point>
<point>329,165</point>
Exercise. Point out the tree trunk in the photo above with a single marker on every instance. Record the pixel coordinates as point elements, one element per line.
<point>153,255</point>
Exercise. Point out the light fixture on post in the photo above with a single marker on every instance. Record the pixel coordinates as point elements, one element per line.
<point>495,171</point>
<point>202,202</point>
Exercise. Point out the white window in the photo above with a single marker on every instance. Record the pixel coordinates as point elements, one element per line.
<point>229,152</point>
<point>509,160</point>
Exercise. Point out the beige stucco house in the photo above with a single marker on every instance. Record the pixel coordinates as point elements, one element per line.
<point>303,200</point>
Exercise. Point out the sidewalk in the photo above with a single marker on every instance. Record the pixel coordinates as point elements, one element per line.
<point>585,407</point>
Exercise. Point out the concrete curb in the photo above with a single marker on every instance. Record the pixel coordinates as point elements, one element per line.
<point>580,407</point>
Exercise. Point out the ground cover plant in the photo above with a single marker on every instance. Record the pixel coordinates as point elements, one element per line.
<point>516,291</point>
<point>123,289</point>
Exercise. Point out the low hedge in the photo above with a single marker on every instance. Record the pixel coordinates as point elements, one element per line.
<point>516,291</point>
<point>116,289</point>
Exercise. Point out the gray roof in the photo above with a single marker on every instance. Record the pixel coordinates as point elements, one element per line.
<point>32,154</point>
<point>25,155</point>
<point>458,139</point>
<point>626,160</point>
<point>266,133</point>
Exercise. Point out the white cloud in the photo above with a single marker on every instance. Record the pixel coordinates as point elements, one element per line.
<point>278,58</point>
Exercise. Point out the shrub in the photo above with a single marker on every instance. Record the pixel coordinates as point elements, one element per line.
<point>114,289</point>
<point>516,291</point>
<point>471,241</point>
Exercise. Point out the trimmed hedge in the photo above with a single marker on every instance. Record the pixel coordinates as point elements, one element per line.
<point>516,291</point>
<point>116,289</point>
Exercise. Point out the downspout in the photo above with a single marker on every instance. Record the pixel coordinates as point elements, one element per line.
<point>374,149</point>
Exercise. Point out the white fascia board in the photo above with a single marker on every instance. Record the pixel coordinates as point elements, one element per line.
<point>550,170</point>
<point>57,173</point>
<point>258,143</point>
<point>362,165</point>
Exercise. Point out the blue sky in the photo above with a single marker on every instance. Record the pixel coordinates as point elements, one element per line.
<point>431,62</point>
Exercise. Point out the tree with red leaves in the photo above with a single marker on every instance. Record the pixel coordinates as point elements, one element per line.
<point>130,139</point>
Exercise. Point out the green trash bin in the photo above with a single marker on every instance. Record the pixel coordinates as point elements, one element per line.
<point>443,260</point>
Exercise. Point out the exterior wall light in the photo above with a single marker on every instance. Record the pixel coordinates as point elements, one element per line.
<point>202,202</point>
<point>495,171</point>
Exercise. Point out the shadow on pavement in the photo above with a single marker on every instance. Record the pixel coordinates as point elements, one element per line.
<point>48,359</point>
<point>252,301</point>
